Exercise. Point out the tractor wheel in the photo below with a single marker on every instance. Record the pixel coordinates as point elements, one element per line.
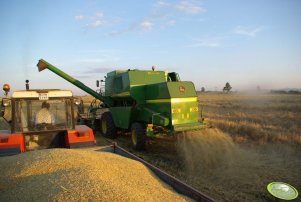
<point>107,126</point>
<point>138,136</point>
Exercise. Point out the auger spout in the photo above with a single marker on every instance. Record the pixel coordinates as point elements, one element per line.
<point>45,65</point>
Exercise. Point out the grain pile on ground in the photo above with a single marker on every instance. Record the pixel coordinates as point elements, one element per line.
<point>79,175</point>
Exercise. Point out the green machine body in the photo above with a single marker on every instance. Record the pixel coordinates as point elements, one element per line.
<point>144,102</point>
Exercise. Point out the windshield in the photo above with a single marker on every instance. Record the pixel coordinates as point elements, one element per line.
<point>36,115</point>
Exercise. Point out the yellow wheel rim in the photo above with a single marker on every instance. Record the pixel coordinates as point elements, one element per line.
<point>134,137</point>
<point>104,126</point>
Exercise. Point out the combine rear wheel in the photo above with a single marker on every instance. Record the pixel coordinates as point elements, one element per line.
<point>107,126</point>
<point>138,136</point>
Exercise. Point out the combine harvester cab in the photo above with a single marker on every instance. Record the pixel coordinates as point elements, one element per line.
<point>42,119</point>
<point>144,102</point>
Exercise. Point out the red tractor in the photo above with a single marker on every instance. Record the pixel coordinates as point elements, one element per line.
<point>41,119</point>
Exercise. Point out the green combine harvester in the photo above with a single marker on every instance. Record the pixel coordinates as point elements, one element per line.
<point>143,102</point>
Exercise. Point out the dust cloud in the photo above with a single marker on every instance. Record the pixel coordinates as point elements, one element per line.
<point>206,149</point>
<point>236,172</point>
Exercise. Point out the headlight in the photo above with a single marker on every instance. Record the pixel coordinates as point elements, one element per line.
<point>193,109</point>
<point>175,110</point>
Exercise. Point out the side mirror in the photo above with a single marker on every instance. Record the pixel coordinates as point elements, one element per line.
<point>97,83</point>
<point>77,101</point>
<point>6,102</point>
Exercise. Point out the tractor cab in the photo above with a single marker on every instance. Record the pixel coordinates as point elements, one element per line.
<point>40,110</point>
<point>41,119</point>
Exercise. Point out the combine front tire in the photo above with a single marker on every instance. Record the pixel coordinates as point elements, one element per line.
<point>138,136</point>
<point>107,126</point>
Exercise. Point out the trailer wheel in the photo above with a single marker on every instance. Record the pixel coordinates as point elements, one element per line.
<point>138,136</point>
<point>107,126</point>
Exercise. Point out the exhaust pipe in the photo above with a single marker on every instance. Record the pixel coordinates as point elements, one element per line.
<point>27,84</point>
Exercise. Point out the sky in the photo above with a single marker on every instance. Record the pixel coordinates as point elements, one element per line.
<point>246,43</point>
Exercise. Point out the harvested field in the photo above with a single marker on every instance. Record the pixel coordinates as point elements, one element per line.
<point>79,175</point>
<point>258,118</point>
<point>254,140</point>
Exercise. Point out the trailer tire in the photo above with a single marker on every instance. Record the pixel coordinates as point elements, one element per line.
<point>138,136</point>
<point>107,126</point>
